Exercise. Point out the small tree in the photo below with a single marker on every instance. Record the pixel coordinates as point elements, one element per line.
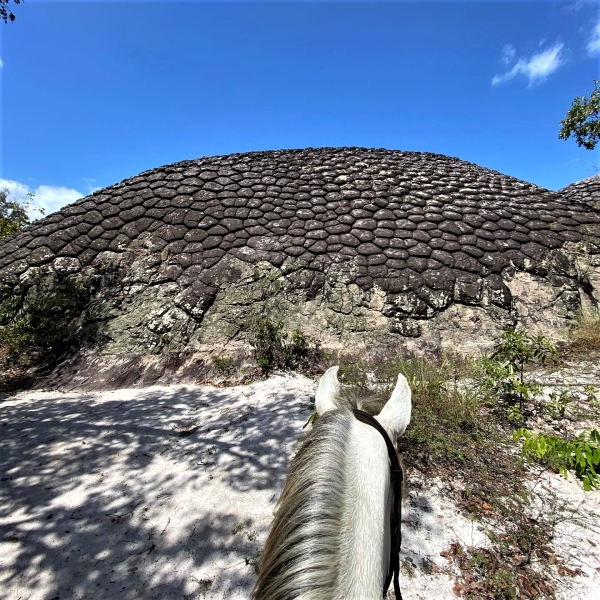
<point>582,120</point>
<point>503,372</point>
<point>13,214</point>
<point>5,13</point>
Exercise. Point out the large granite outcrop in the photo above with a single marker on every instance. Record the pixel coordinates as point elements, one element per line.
<point>586,191</point>
<point>353,245</point>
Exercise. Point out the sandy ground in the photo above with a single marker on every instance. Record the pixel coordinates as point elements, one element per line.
<point>577,532</point>
<point>168,493</point>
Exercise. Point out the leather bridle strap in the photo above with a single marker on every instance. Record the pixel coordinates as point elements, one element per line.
<point>397,477</point>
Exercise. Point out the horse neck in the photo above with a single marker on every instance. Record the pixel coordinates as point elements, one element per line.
<point>365,531</point>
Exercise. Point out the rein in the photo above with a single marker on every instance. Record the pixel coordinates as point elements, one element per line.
<point>395,517</point>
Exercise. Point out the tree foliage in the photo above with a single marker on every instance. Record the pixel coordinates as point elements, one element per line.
<point>13,214</point>
<point>275,349</point>
<point>582,120</point>
<point>5,13</point>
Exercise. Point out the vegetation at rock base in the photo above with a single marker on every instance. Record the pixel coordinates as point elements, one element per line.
<point>43,321</point>
<point>13,214</point>
<point>585,336</point>
<point>273,347</point>
<point>224,365</point>
<point>582,120</point>
<point>36,328</point>
<point>459,402</point>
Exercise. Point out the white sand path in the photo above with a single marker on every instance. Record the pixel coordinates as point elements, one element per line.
<point>168,493</point>
<point>102,498</point>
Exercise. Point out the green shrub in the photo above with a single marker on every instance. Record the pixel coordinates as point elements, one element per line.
<point>298,341</point>
<point>223,364</point>
<point>501,376</point>
<point>590,395</point>
<point>268,343</point>
<point>44,320</point>
<point>273,348</point>
<point>559,402</point>
<point>581,454</point>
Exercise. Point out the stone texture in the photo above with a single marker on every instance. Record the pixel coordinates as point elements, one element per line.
<point>360,241</point>
<point>586,191</point>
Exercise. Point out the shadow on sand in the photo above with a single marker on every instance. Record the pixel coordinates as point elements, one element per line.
<point>157,493</point>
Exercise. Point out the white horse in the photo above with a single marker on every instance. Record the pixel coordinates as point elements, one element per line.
<point>331,538</point>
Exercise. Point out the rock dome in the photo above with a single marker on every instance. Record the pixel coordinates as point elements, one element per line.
<point>586,191</point>
<point>354,246</point>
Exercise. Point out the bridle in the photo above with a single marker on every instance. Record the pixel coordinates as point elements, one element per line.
<point>396,513</point>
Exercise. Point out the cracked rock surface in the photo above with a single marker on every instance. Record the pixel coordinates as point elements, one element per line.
<point>586,191</point>
<point>347,243</point>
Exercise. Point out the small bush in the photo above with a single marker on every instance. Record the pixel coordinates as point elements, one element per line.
<point>273,348</point>
<point>223,364</point>
<point>501,376</point>
<point>43,322</point>
<point>299,344</point>
<point>559,403</point>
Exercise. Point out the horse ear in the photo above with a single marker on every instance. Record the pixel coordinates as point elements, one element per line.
<point>328,391</point>
<point>395,415</point>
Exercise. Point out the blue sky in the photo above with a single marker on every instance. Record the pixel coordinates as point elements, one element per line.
<point>95,92</point>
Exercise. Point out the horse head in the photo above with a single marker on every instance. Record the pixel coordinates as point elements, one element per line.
<point>395,415</point>
<point>334,534</point>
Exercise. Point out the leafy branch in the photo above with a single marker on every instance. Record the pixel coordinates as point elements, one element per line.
<point>581,454</point>
<point>582,120</point>
<point>5,13</point>
<point>13,214</point>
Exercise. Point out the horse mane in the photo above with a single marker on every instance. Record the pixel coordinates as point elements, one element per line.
<point>301,555</point>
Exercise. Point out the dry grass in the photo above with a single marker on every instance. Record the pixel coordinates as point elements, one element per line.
<point>456,434</point>
<point>586,335</point>
<point>446,414</point>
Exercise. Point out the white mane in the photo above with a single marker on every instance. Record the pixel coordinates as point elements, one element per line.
<point>330,537</point>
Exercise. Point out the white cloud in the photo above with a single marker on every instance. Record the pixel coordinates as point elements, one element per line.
<point>575,6</point>
<point>1,63</point>
<point>593,46</point>
<point>53,197</point>
<point>49,197</point>
<point>536,68</point>
<point>91,184</point>
<point>508,53</point>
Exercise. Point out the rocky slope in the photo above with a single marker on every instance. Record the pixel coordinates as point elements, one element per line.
<point>586,191</point>
<point>354,246</point>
